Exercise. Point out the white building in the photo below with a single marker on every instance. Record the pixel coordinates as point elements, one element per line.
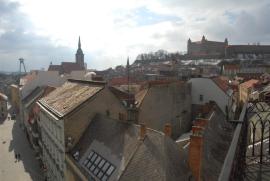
<point>204,90</point>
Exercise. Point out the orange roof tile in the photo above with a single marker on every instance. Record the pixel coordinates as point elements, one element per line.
<point>222,82</point>
<point>231,67</point>
<point>249,83</point>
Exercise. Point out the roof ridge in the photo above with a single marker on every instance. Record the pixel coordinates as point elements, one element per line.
<point>146,92</point>
<point>138,144</point>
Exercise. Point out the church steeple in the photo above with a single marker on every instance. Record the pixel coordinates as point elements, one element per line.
<point>79,54</point>
<point>79,44</point>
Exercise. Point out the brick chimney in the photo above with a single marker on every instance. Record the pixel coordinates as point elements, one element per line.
<point>201,122</point>
<point>195,152</point>
<point>168,129</point>
<point>142,131</point>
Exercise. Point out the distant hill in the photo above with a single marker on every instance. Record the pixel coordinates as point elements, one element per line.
<point>158,56</point>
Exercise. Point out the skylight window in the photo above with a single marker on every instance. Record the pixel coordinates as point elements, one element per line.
<point>98,166</point>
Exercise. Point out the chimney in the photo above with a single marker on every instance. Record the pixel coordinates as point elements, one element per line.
<point>142,131</point>
<point>201,122</point>
<point>168,129</point>
<point>195,152</point>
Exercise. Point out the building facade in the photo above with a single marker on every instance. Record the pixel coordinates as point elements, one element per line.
<point>15,97</point>
<point>245,90</point>
<point>3,106</point>
<point>64,115</point>
<point>163,102</point>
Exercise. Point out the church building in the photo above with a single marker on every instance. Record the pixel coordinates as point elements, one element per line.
<point>67,67</point>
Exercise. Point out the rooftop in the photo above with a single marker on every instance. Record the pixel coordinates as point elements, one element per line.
<point>157,155</point>
<point>223,83</point>
<point>3,97</point>
<point>249,83</point>
<point>70,95</point>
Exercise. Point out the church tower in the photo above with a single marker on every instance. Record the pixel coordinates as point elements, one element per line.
<point>80,55</point>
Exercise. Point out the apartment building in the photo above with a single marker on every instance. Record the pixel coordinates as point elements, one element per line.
<point>65,113</point>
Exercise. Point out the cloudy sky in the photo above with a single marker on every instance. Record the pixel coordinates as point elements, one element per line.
<point>42,31</point>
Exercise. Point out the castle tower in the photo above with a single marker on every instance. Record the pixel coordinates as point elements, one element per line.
<point>80,55</point>
<point>189,46</point>
<point>203,38</point>
<point>226,41</point>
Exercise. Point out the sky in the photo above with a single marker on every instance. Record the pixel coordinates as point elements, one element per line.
<point>44,31</point>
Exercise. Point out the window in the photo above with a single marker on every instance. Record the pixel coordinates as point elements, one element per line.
<point>98,166</point>
<point>201,97</point>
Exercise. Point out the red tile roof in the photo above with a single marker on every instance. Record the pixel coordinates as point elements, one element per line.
<point>222,82</point>
<point>70,66</point>
<point>231,67</point>
<point>28,78</point>
<point>55,68</point>
<point>250,83</point>
<point>120,81</point>
<point>65,67</point>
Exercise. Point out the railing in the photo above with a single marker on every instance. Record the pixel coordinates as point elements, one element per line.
<point>249,151</point>
<point>233,167</point>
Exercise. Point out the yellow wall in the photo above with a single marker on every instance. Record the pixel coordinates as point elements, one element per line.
<point>77,121</point>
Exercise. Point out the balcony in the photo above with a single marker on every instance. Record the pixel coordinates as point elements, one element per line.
<point>249,152</point>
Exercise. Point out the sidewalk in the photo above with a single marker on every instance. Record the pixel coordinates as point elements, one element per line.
<point>12,138</point>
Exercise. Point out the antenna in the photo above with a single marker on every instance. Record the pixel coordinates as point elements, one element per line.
<point>22,63</point>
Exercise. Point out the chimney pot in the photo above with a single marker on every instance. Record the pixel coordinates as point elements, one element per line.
<point>168,130</point>
<point>142,131</point>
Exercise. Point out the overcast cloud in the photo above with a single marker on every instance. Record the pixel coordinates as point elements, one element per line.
<point>45,31</point>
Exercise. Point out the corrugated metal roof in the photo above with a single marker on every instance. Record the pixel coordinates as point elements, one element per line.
<point>70,95</point>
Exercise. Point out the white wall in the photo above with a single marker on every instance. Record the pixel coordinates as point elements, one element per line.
<point>210,92</point>
<point>43,78</point>
<point>50,78</point>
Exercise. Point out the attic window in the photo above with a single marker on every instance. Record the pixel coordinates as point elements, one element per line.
<point>98,166</point>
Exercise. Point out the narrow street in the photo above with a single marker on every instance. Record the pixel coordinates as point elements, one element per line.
<point>13,140</point>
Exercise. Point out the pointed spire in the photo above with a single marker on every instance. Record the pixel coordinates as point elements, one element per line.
<point>203,38</point>
<point>128,62</point>
<point>79,44</point>
<point>128,81</point>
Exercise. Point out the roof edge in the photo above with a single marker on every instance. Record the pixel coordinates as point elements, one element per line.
<point>88,81</point>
